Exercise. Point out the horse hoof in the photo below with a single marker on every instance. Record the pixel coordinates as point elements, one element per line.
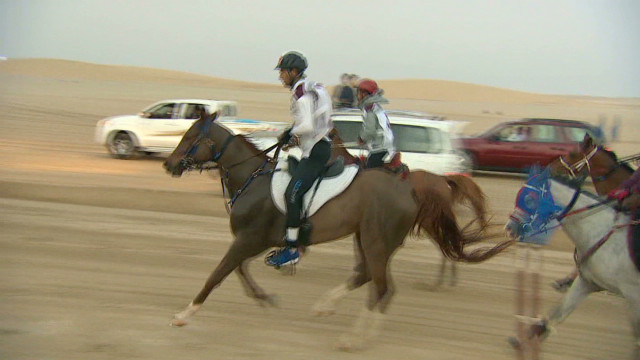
<point>317,311</point>
<point>269,301</point>
<point>178,322</point>
<point>349,343</point>
<point>514,342</point>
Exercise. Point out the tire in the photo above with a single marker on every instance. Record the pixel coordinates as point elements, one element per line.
<point>122,146</point>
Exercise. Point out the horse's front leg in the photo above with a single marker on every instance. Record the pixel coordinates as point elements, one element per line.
<point>240,250</point>
<point>578,291</point>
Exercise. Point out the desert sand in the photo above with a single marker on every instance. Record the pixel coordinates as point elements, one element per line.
<point>98,253</point>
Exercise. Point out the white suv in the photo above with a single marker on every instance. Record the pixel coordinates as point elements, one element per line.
<point>158,128</point>
<point>425,142</point>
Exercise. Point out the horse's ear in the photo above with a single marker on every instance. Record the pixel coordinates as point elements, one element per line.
<point>203,113</point>
<point>215,115</point>
<point>587,142</point>
<point>534,170</point>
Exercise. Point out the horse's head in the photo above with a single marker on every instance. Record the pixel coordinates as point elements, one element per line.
<point>198,145</point>
<point>535,206</point>
<point>339,149</point>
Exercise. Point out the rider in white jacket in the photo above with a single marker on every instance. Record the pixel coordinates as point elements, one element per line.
<point>311,110</point>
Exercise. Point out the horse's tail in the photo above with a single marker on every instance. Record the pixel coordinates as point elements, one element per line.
<point>463,189</point>
<point>435,217</point>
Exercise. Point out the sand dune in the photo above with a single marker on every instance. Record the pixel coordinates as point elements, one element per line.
<point>74,84</point>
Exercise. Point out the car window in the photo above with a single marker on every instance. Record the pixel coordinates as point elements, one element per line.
<point>575,134</point>
<point>407,138</point>
<point>227,110</point>
<point>515,133</point>
<point>193,111</point>
<point>543,133</point>
<point>348,130</point>
<point>419,139</point>
<point>162,111</point>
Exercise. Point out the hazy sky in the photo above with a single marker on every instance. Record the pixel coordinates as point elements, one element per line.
<point>589,47</point>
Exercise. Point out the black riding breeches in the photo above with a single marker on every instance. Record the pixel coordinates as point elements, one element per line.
<point>376,159</point>
<point>306,173</point>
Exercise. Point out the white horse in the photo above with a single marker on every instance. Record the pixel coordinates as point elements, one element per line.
<point>599,233</point>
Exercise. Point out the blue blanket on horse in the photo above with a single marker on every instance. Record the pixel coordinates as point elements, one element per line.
<point>634,239</point>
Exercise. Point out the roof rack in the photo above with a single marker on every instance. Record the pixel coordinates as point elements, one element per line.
<point>555,120</point>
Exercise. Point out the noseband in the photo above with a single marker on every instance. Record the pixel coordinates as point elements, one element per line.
<point>577,166</point>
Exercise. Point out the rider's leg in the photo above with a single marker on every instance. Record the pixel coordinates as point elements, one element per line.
<point>306,173</point>
<point>301,181</point>
<point>376,159</point>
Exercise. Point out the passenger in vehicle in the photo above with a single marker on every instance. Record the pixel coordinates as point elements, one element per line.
<point>344,95</point>
<point>311,110</point>
<point>376,132</point>
<point>521,134</point>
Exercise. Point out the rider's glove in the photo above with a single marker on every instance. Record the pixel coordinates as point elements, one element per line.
<point>618,194</point>
<point>285,137</point>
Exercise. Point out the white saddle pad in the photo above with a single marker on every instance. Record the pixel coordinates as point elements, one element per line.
<point>329,187</point>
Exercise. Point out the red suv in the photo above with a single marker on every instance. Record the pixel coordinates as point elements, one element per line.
<point>517,145</point>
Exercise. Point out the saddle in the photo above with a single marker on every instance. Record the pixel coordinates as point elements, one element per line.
<point>395,166</point>
<point>332,169</point>
<point>335,179</point>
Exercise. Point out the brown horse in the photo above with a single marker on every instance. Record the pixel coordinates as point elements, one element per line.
<point>606,172</point>
<point>378,207</point>
<point>455,189</point>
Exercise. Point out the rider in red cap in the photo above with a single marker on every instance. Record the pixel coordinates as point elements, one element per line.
<point>376,130</point>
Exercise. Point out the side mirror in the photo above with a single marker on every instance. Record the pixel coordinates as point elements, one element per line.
<point>494,137</point>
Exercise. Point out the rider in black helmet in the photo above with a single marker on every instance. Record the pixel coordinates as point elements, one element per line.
<point>310,109</point>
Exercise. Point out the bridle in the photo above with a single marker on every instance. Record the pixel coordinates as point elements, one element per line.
<point>585,161</point>
<point>189,163</point>
<point>577,166</point>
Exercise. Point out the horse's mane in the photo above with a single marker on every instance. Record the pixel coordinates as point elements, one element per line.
<point>248,140</point>
<point>612,155</point>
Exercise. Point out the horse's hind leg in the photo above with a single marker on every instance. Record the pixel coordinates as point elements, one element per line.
<point>328,302</point>
<point>369,322</point>
<point>633,297</point>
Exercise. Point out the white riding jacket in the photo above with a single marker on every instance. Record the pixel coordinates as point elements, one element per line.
<point>311,111</point>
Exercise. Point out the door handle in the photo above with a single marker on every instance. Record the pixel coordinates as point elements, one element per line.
<point>520,147</point>
<point>556,148</point>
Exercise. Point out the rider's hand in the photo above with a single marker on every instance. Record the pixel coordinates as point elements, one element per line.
<point>285,137</point>
<point>631,202</point>
<point>618,194</point>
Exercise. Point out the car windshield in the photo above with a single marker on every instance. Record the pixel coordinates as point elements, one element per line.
<point>407,138</point>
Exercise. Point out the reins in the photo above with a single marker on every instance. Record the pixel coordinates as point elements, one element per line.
<point>188,164</point>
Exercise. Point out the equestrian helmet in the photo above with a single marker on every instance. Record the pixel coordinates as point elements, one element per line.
<point>368,86</point>
<point>292,60</point>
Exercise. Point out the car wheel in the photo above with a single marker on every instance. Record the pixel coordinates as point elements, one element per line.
<point>121,146</point>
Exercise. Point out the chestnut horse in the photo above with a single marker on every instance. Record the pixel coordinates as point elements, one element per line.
<point>378,207</point>
<point>456,189</point>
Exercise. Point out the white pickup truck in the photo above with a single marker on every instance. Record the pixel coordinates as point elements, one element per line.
<point>160,127</point>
